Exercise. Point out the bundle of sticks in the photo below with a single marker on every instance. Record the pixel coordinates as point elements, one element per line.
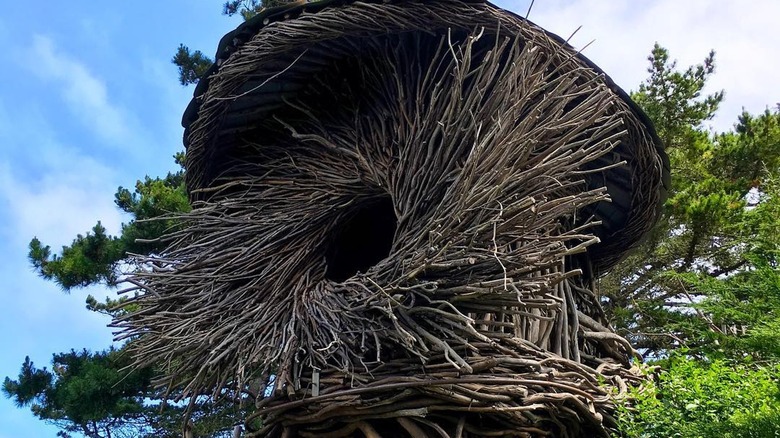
<point>468,311</point>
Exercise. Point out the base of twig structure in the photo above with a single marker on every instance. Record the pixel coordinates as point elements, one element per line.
<point>503,387</point>
<point>404,244</point>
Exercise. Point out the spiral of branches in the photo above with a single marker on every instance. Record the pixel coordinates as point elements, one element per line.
<point>478,322</point>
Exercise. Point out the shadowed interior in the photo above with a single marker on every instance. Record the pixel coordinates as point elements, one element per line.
<point>363,240</point>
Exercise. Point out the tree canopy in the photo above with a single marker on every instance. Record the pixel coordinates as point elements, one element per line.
<point>718,234</point>
<point>701,296</point>
<point>84,392</point>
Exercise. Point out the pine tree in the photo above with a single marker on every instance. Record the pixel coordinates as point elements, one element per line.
<point>717,239</point>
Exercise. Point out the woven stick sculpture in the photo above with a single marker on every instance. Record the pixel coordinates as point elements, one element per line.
<point>399,212</point>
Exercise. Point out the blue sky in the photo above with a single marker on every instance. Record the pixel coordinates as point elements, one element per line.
<point>89,101</point>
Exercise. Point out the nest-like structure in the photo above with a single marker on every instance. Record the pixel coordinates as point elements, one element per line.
<point>399,211</point>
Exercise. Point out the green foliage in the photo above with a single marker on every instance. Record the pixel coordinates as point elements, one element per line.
<point>704,290</point>
<point>698,399</point>
<point>718,231</point>
<point>31,382</point>
<point>92,394</point>
<point>246,8</point>
<point>152,205</point>
<point>250,8</point>
<point>85,393</point>
<point>750,156</point>
<point>91,258</point>
<point>96,257</point>
<point>672,98</point>
<point>743,310</point>
<point>110,307</point>
<point>192,65</point>
<point>716,248</point>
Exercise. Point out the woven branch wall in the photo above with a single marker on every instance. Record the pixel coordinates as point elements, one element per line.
<point>398,212</point>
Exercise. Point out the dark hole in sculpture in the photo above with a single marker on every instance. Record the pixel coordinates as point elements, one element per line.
<point>363,240</point>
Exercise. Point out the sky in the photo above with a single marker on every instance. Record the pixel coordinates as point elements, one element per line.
<point>90,101</point>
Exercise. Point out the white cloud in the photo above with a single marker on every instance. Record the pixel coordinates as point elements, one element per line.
<point>85,94</point>
<point>59,204</point>
<point>743,34</point>
<point>49,189</point>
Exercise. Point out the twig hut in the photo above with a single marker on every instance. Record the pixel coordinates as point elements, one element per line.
<point>400,208</point>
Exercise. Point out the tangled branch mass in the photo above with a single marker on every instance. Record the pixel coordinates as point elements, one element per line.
<point>399,213</point>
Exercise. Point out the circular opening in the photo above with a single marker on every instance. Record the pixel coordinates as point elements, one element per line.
<point>362,240</point>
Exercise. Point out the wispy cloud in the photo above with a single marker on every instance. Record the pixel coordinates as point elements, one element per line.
<point>744,36</point>
<point>85,94</point>
<point>52,191</point>
<point>48,188</point>
<point>57,205</point>
<point>55,198</point>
